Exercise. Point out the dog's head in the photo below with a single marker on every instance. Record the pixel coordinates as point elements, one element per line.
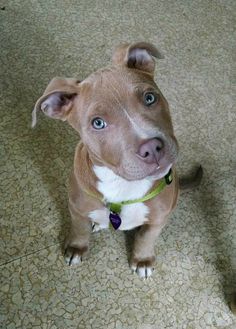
<point>120,114</point>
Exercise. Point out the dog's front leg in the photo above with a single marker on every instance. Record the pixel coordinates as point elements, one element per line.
<point>143,255</point>
<point>77,242</point>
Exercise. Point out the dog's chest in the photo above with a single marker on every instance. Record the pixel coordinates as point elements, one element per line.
<point>116,189</point>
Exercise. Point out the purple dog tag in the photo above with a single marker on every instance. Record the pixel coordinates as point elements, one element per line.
<point>115,220</point>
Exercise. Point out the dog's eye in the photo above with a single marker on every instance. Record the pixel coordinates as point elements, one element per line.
<point>149,98</point>
<point>98,123</point>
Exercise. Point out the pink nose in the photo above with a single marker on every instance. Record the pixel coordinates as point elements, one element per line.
<point>151,151</point>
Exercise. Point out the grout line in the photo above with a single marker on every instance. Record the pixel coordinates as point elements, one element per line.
<point>29,254</point>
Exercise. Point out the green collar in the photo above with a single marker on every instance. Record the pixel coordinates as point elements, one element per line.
<point>116,207</point>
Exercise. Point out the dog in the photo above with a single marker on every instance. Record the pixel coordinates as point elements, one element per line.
<point>124,174</point>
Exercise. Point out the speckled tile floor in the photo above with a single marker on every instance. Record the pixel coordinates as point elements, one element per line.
<point>196,253</point>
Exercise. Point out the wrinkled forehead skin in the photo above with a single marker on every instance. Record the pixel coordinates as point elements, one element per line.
<point>117,92</point>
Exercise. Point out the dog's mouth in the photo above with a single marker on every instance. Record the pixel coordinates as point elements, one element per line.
<point>153,161</point>
<point>146,172</point>
<point>160,171</point>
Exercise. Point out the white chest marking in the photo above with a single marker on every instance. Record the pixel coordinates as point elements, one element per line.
<point>116,189</point>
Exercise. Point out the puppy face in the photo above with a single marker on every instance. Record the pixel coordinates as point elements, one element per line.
<point>120,113</point>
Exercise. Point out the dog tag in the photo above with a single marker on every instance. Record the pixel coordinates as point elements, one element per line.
<point>115,220</point>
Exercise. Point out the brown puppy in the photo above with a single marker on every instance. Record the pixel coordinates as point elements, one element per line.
<point>127,148</point>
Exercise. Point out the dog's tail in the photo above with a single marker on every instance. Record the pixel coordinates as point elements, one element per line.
<point>233,303</point>
<point>187,183</point>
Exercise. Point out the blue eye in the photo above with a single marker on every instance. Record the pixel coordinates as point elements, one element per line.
<point>98,123</point>
<point>149,98</point>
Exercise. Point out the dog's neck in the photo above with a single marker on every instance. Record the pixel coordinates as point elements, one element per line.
<point>117,189</point>
<point>95,177</point>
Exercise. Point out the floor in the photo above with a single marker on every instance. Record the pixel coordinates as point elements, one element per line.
<point>196,253</point>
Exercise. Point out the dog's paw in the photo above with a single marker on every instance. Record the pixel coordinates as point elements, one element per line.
<point>143,268</point>
<point>73,255</point>
<point>96,227</point>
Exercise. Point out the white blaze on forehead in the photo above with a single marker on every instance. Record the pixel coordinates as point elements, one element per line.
<point>143,133</point>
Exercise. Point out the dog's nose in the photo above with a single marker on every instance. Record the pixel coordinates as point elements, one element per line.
<point>150,151</point>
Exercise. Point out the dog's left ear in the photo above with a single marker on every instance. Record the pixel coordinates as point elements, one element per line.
<point>138,56</point>
<point>57,100</point>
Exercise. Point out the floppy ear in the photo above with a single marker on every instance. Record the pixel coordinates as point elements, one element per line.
<point>138,56</point>
<point>57,100</point>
